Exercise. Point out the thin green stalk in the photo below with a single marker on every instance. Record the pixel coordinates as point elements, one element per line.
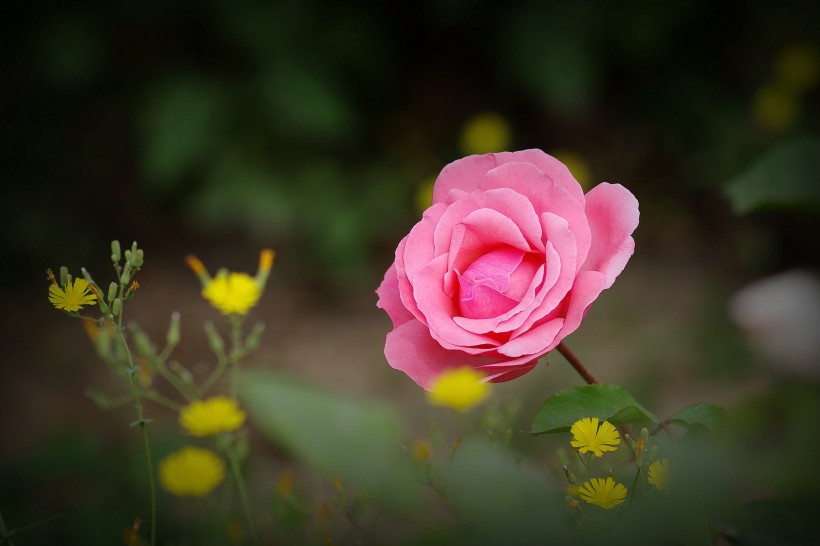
<point>236,353</point>
<point>151,481</point>
<point>243,491</point>
<point>142,422</point>
<point>634,485</point>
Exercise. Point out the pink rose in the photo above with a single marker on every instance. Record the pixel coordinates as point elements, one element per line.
<point>502,266</point>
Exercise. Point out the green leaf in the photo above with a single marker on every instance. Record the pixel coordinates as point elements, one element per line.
<point>609,402</point>
<point>706,415</point>
<point>350,438</point>
<point>787,176</point>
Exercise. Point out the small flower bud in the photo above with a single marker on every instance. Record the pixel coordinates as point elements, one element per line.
<point>630,442</point>
<point>645,434</point>
<point>214,339</point>
<point>138,258</point>
<point>640,449</point>
<point>172,337</point>
<point>134,247</point>
<point>570,475</point>
<point>255,337</point>
<point>86,275</point>
<point>112,291</point>
<point>127,256</point>
<point>115,251</point>
<point>65,278</point>
<point>143,343</point>
<point>116,307</point>
<point>181,371</point>
<point>126,273</point>
<point>131,290</point>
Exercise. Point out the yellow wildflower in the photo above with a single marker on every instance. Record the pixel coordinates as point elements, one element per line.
<point>73,297</point>
<point>605,493</point>
<point>211,416</point>
<point>774,107</point>
<point>798,67</point>
<point>658,474</point>
<point>233,293</point>
<point>191,471</point>
<point>588,436</point>
<point>459,388</point>
<point>485,132</point>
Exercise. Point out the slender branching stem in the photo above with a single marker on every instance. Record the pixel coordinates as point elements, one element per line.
<point>576,363</point>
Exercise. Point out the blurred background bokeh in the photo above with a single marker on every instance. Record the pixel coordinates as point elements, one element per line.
<point>316,127</point>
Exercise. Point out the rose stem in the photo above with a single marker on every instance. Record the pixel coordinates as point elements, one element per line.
<point>572,359</point>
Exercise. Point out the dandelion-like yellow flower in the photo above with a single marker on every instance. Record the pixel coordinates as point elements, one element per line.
<point>606,493</point>
<point>459,388</point>
<point>73,297</point>
<point>485,132</point>
<point>658,474</point>
<point>233,293</point>
<point>211,416</point>
<point>591,437</point>
<point>191,471</point>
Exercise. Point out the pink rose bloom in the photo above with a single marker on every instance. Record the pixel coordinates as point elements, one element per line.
<point>502,266</point>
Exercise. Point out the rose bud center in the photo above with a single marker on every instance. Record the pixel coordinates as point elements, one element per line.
<point>495,283</point>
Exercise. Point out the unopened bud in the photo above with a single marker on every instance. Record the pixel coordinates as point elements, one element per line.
<point>629,441</point>
<point>65,278</point>
<point>570,475</point>
<point>255,337</point>
<point>126,273</point>
<point>645,434</point>
<point>116,307</point>
<point>86,275</point>
<point>172,337</point>
<point>115,251</point>
<point>181,371</point>
<point>138,258</point>
<point>143,343</point>
<point>112,291</point>
<point>214,339</point>
<point>134,248</point>
<point>640,448</point>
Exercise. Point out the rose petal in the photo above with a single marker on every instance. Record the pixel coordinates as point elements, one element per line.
<point>588,286</point>
<point>561,270</point>
<point>509,203</point>
<point>390,299</point>
<point>410,348</point>
<point>613,215</point>
<point>479,232</point>
<point>537,340</point>
<point>413,252</point>
<point>465,174</point>
<point>501,377</point>
<point>545,195</point>
<point>553,168</point>
<point>484,326</point>
<point>439,309</point>
<point>482,301</point>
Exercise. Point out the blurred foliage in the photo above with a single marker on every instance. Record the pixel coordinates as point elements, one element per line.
<point>311,125</point>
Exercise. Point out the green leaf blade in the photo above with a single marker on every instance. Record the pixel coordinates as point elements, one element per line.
<point>606,402</point>
<point>709,416</point>
<point>353,439</point>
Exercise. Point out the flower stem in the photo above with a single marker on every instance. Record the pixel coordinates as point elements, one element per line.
<point>243,492</point>
<point>576,363</point>
<point>151,481</point>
